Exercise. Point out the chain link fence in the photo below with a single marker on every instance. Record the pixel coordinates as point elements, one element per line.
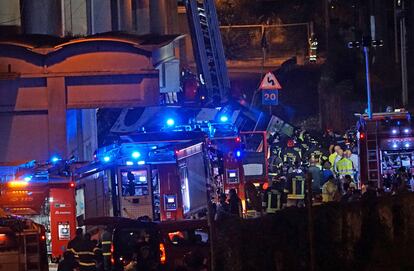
<point>245,42</point>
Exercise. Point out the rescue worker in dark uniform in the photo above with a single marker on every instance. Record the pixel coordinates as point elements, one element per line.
<point>295,187</point>
<point>274,197</point>
<point>106,248</point>
<point>86,253</point>
<point>130,189</point>
<point>290,154</point>
<point>317,152</point>
<point>75,243</point>
<point>275,151</point>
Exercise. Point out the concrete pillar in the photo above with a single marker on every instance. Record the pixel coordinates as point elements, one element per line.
<point>56,93</point>
<point>163,17</point>
<point>100,16</point>
<point>141,16</point>
<point>42,17</point>
<point>9,17</point>
<point>9,13</point>
<point>125,15</point>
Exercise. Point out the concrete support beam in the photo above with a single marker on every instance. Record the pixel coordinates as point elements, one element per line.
<point>141,16</point>
<point>42,17</point>
<point>125,15</point>
<point>163,17</point>
<point>100,16</point>
<point>56,94</point>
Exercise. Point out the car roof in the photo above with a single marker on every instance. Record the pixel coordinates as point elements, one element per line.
<point>182,224</point>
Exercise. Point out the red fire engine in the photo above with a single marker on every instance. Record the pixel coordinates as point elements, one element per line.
<point>161,175</point>
<point>38,191</point>
<point>22,245</point>
<point>386,144</point>
<point>243,162</point>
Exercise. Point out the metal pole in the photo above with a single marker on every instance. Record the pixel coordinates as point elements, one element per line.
<point>403,59</point>
<point>310,222</point>
<point>210,218</point>
<point>369,103</point>
<point>327,22</point>
<point>396,32</point>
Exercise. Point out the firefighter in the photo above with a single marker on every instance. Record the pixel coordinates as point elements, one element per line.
<point>290,155</point>
<point>275,153</point>
<point>86,253</point>
<point>295,187</point>
<point>75,243</point>
<point>106,247</point>
<point>274,197</point>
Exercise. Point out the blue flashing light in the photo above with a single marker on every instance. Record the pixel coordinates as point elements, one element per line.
<point>141,163</point>
<point>406,130</point>
<point>394,131</point>
<point>238,153</point>
<point>136,154</point>
<point>129,163</point>
<point>394,145</point>
<point>224,118</point>
<point>27,178</point>
<point>54,159</point>
<point>107,159</point>
<point>407,145</point>
<point>154,147</point>
<point>170,122</point>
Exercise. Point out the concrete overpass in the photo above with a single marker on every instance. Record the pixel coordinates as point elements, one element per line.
<point>50,86</point>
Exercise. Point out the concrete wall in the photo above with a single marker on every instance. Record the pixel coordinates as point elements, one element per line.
<point>370,235</point>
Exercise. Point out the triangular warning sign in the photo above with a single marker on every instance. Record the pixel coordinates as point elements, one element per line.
<point>270,82</point>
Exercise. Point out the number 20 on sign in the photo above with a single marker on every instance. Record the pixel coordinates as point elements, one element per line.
<point>270,97</point>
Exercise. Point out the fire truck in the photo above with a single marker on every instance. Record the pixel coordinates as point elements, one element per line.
<point>160,175</point>
<point>243,161</point>
<point>385,144</point>
<point>43,192</point>
<point>22,245</point>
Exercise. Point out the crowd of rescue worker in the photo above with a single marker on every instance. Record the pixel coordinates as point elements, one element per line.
<point>86,254</point>
<point>332,164</point>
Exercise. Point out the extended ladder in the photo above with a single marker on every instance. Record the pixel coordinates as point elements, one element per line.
<point>373,155</point>
<point>208,50</point>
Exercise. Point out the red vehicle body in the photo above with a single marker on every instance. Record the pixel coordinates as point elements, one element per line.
<point>244,163</point>
<point>25,195</point>
<point>62,219</point>
<point>385,144</point>
<point>22,245</point>
<point>169,178</point>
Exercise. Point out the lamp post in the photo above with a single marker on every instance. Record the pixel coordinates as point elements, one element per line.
<point>367,43</point>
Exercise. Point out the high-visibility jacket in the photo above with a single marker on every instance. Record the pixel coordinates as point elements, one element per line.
<point>332,158</point>
<point>344,167</point>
